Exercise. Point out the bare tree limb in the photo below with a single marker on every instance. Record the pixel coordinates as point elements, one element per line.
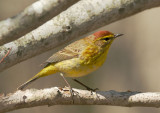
<point>81,18</point>
<point>32,17</point>
<point>61,96</point>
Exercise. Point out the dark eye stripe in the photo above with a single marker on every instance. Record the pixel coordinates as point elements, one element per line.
<point>106,39</point>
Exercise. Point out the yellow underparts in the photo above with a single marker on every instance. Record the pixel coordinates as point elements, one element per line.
<point>89,61</point>
<point>78,67</point>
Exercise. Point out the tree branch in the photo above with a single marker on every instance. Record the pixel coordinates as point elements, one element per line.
<point>61,96</point>
<point>32,17</point>
<point>81,18</point>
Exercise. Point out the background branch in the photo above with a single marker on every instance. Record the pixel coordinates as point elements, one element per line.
<point>32,17</point>
<point>61,96</point>
<point>69,24</point>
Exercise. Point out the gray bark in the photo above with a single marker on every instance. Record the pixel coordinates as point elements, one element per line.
<point>62,96</point>
<point>32,17</point>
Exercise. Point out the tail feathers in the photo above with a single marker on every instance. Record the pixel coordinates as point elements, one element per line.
<point>44,72</point>
<point>27,83</point>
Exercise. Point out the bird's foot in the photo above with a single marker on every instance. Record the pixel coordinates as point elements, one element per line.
<point>90,89</point>
<point>72,92</point>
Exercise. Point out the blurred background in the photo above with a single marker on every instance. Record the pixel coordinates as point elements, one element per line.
<point>133,63</point>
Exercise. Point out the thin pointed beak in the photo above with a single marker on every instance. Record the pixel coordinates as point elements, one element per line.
<point>117,35</point>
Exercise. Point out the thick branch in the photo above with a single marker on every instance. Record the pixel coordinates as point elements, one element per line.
<point>81,18</point>
<point>59,96</point>
<point>32,17</point>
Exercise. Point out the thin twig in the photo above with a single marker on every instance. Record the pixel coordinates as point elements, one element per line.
<point>5,55</point>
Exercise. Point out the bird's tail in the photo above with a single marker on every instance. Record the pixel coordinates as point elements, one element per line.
<point>44,72</point>
<point>21,87</point>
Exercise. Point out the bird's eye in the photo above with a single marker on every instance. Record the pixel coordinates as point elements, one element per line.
<point>106,39</point>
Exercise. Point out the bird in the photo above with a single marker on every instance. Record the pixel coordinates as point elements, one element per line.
<point>78,58</point>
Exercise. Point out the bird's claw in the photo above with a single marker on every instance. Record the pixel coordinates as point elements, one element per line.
<point>93,90</point>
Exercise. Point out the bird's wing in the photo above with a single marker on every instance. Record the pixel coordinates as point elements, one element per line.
<point>71,51</point>
<point>61,55</point>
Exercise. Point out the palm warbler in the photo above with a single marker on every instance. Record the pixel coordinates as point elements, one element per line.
<point>79,58</point>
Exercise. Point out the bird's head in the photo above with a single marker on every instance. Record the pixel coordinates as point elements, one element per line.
<point>104,38</point>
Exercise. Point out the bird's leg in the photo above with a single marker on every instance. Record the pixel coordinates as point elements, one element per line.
<point>71,91</point>
<point>88,88</point>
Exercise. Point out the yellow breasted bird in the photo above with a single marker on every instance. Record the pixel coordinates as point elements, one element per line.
<point>79,58</point>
